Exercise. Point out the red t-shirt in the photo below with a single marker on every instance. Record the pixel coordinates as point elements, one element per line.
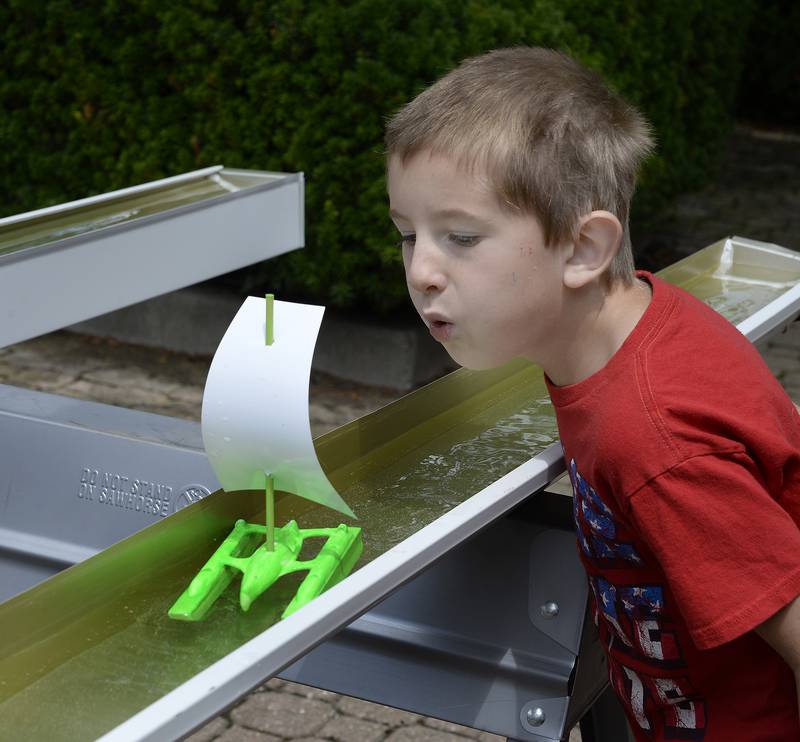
<point>684,455</point>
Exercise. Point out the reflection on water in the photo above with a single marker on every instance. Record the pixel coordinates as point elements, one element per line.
<point>734,300</point>
<point>416,489</point>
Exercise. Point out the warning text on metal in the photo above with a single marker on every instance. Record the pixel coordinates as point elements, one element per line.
<point>121,491</point>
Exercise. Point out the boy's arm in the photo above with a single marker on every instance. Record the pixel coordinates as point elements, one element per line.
<point>782,633</point>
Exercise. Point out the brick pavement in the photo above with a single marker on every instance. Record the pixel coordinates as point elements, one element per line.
<point>757,194</point>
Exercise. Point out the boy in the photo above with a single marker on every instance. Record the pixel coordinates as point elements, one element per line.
<point>510,181</point>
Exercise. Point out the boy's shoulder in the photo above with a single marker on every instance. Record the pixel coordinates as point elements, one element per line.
<point>692,355</point>
<point>682,352</point>
<point>699,381</point>
<point>685,383</point>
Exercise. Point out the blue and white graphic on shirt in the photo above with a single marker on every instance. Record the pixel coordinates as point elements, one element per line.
<point>595,524</point>
<point>635,613</point>
<point>639,629</point>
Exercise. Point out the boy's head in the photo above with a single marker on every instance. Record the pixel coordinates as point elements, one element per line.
<point>550,137</point>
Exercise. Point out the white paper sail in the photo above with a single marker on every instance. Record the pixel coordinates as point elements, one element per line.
<point>255,417</point>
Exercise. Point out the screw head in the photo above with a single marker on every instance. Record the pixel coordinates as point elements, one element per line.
<point>536,716</point>
<point>550,609</point>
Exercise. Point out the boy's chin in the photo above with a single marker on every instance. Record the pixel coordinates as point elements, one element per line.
<point>475,361</point>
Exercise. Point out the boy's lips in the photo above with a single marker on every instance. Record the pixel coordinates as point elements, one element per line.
<point>439,326</point>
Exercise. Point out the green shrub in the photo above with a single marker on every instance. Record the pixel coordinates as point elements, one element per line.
<point>105,94</point>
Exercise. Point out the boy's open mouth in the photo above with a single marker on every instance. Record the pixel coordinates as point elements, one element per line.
<point>441,329</point>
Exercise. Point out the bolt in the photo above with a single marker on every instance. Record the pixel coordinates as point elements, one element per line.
<point>536,716</point>
<point>550,609</point>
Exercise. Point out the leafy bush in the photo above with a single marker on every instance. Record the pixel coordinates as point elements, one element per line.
<point>103,94</point>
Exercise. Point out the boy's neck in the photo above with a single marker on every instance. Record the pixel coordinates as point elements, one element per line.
<point>595,326</point>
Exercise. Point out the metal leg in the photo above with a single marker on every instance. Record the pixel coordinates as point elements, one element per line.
<point>606,721</point>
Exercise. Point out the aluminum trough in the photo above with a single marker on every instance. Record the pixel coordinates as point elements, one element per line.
<point>68,263</point>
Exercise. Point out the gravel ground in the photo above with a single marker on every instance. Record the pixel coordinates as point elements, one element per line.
<point>756,194</point>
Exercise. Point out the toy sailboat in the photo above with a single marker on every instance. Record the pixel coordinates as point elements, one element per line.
<point>257,435</point>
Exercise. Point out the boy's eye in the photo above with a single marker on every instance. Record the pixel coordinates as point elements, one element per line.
<point>407,240</point>
<point>464,240</point>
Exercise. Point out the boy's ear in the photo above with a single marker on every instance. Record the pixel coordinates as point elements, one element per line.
<point>599,235</point>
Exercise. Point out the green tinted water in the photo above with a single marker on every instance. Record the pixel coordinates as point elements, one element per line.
<point>91,218</point>
<point>421,485</point>
<point>89,648</point>
<point>734,300</point>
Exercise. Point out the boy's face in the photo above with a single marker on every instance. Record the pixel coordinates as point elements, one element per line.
<point>479,276</point>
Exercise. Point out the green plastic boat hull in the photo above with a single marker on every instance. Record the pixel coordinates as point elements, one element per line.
<point>260,567</point>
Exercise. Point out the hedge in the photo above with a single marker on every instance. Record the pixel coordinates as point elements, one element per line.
<point>105,94</point>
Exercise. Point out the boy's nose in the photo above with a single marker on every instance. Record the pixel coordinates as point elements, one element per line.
<point>423,268</point>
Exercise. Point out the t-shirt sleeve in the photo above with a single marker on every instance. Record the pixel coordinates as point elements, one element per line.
<point>730,552</point>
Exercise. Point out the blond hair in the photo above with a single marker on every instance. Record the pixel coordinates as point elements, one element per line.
<point>553,139</point>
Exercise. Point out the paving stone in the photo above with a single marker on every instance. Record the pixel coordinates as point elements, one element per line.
<point>462,731</point>
<point>318,429</point>
<point>125,376</point>
<point>350,729</point>
<point>387,715</point>
<point>131,397</point>
<point>241,734</point>
<point>780,364</point>
<point>424,734</point>
<point>450,728</point>
<point>282,714</point>
<point>41,359</point>
<point>308,691</point>
<point>210,731</point>
<point>41,379</point>
<point>323,415</point>
<point>792,348</point>
<point>779,350</point>
<point>192,396</point>
<point>272,684</point>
